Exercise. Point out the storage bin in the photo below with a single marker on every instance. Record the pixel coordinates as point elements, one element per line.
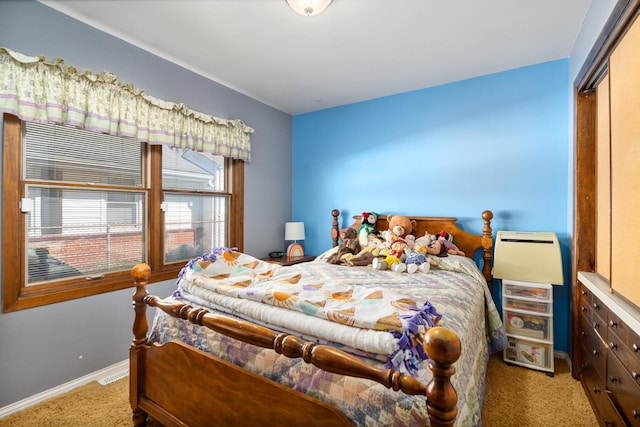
<point>527,325</point>
<point>519,304</point>
<point>513,288</point>
<point>528,353</point>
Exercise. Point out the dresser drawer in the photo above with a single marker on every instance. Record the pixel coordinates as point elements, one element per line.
<point>633,346</point>
<point>599,308</point>
<point>585,302</point>
<point>606,413</point>
<point>617,326</point>
<point>617,346</point>
<point>599,325</point>
<point>595,351</point>
<point>634,369</point>
<point>625,392</point>
<point>617,334</point>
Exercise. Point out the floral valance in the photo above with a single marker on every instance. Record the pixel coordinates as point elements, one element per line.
<point>49,92</point>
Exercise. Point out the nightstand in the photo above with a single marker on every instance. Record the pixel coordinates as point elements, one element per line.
<point>290,261</point>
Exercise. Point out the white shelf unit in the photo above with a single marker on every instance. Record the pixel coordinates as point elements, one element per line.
<point>527,313</point>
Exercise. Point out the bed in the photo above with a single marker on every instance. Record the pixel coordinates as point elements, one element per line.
<point>210,361</point>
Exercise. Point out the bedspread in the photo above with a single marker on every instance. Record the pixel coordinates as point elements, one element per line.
<point>261,290</point>
<point>454,286</point>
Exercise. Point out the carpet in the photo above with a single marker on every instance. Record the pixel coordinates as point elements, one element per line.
<point>515,396</point>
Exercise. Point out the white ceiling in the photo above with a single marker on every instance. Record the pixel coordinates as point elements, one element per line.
<point>356,50</point>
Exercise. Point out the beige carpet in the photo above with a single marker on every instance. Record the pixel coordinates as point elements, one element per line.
<point>515,396</point>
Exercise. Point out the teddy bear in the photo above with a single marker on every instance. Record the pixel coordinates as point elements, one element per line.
<point>399,239</point>
<point>399,228</point>
<point>349,245</point>
<point>367,227</point>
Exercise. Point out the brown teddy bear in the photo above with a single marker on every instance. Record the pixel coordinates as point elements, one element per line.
<point>398,238</point>
<point>400,227</point>
<point>349,245</point>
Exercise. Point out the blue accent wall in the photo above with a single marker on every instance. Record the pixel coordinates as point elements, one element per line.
<point>498,142</point>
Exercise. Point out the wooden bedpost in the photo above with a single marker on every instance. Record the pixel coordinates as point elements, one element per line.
<point>443,347</point>
<point>335,227</point>
<point>487,246</point>
<point>140,274</point>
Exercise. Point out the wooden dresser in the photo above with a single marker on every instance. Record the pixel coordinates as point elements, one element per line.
<point>609,353</point>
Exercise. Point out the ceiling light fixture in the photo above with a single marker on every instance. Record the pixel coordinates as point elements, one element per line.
<point>309,7</point>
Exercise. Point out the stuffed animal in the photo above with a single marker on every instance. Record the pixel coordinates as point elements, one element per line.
<point>417,261</point>
<point>394,260</point>
<point>449,243</point>
<point>399,228</point>
<point>430,244</point>
<point>368,253</point>
<point>423,241</point>
<point>349,245</point>
<point>367,227</point>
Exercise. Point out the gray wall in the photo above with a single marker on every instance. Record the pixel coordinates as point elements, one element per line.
<point>40,348</point>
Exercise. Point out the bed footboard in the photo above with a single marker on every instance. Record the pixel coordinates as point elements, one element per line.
<point>179,385</point>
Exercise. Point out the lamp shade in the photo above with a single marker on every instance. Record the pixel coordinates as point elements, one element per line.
<point>309,7</point>
<point>294,231</point>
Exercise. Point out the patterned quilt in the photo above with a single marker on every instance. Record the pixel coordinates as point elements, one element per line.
<point>455,287</point>
<point>372,318</point>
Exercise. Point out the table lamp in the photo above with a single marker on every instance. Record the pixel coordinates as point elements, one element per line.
<point>294,231</point>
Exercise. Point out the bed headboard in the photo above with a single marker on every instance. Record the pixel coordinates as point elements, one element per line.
<point>467,242</point>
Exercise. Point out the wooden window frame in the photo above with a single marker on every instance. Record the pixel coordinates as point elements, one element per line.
<point>16,296</point>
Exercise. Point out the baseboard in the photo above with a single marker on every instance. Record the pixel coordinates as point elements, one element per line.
<point>113,370</point>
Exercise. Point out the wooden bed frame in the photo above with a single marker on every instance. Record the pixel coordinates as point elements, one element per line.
<point>178,385</point>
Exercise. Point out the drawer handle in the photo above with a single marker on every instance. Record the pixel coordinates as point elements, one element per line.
<point>596,325</point>
<point>636,413</point>
<point>607,422</point>
<point>583,293</point>
<point>596,389</point>
<point>596,306</point>
<point>613,379</point>
<point>584,309</point>
<point>613,323</point>
<point>595,352</point>
<point>613,346</point>
<point>584,365</point>
<point>635,375</point>
<point>636,348</point>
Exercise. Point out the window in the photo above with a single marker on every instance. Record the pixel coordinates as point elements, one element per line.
<point>81,208</point>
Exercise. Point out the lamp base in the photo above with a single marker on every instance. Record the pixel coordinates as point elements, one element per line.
<point>295,250</point>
